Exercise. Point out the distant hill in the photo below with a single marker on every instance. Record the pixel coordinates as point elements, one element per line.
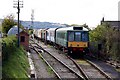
<point>38,25</point>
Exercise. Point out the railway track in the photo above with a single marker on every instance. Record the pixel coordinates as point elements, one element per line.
<point>88,70</point>
<point>41,67</point>
<point>61,70</point>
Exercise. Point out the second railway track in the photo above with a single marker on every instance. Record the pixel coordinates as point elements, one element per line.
<point>91,70</point>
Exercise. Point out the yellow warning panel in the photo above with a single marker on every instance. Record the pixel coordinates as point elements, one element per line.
<point>77,44</point>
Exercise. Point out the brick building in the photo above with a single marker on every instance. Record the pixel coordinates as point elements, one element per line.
<point>24,39</point>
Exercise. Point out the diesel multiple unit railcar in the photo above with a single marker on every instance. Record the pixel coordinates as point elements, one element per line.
<point>74,40</point>
<point>51,35</point>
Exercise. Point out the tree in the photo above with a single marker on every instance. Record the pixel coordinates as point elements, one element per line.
<point>86,26</point>
<point>109,38</point>
<point>74,25</point>
<point>8,23</point>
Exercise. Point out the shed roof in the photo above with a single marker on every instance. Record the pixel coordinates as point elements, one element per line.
<point>14,30</point>
<point>23,32</point>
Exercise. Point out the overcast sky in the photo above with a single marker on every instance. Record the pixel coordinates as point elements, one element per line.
<point>64,11</point>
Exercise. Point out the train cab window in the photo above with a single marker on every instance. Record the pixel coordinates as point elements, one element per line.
<point>84,36</point>
<point>71,36</point>
<point>77,36</point>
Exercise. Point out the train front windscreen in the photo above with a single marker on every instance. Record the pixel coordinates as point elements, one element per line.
<point>78,36</point>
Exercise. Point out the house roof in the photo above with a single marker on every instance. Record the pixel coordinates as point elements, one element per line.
<point>115,24</point>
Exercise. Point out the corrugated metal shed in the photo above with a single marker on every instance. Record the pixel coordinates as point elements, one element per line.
<point>14,30</point>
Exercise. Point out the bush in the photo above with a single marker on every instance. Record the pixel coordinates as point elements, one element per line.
<point>109,38</point>
<point>8,47</point>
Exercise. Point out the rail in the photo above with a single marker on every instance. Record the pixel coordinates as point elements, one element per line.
<point>79,76</point>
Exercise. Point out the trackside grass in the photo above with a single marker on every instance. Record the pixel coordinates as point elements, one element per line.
<point>14,60</point>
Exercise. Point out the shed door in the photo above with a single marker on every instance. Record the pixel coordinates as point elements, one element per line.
<point>22,39</point>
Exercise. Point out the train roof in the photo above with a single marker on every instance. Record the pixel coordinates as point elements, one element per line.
<point>53,29</point>
<point>39,29</point>
<point>72,28</point>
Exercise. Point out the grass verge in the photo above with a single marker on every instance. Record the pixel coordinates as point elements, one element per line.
<point>14,63</point>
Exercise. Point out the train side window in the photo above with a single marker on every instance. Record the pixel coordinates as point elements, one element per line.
<point>71,36</point>
<point>22,39</point>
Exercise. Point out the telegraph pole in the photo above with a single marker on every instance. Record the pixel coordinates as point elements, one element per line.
<point>18,4</point>
<point>32,18</point>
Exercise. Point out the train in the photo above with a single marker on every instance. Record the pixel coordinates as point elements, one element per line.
<point>72,40</point>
